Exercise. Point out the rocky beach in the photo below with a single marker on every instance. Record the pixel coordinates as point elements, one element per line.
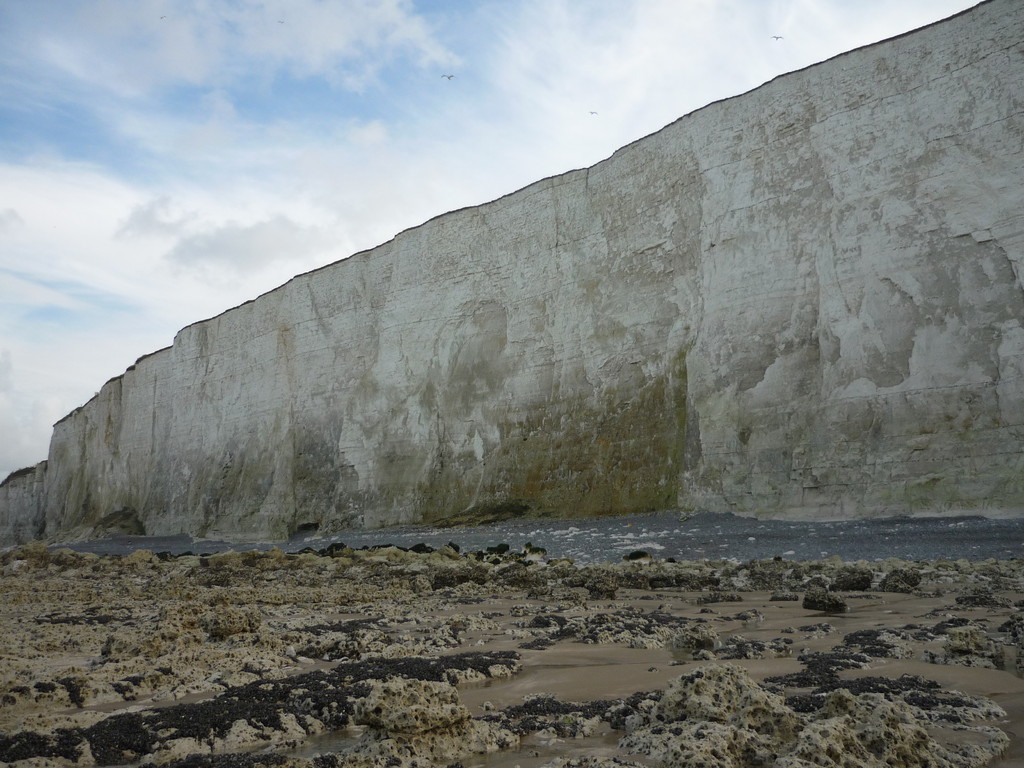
<point>436,656</point>
<point>705,455</point>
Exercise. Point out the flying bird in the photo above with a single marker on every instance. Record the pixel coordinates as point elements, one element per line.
<point>593,113</point>
<point>449,77</point>
<point>777,37</point>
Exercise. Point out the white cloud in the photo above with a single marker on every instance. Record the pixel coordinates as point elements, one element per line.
<point>6,379</point>
<point>9,220</point>
<point>347,43</point>
<point>126,49</point>
<point>26,419</point>
<point>243,247</point>
<point>25,290</point>
<point>160,217</point>
<point>132,48</point>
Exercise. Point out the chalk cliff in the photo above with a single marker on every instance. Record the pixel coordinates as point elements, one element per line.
<point>802,301</point>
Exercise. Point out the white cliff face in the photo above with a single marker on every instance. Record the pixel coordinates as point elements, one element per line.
<point>805,300</point>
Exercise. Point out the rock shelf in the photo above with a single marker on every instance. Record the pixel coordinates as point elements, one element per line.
<point>393,657</point>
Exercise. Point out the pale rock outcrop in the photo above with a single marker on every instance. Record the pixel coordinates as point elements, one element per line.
<point>968,646</point>
<point>718,717</point>
<point>803,301</point>
<point>818,598</point>
<point>712,717</point>
<point>416,722</point>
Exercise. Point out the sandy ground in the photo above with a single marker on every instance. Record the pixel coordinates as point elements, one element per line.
<point>264,658</point>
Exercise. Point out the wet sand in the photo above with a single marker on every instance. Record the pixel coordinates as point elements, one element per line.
<point>263,658</point>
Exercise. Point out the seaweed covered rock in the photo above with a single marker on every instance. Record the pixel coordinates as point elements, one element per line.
<point>705,744</point>
<point>739,647</point>
<point>518,574</point>
<point>696,637</point>
<point>456,572</point>
<point>968,646</point>
<point>222,623</point>
<point>870,731</point>
<point>592,761</point>
<point>413,722</point>
<point>979,597</point>
<point>410,706</point>
<point>853,578</point>
<point>725,693</point>
<point>880,643</point>
<point>718,717</point>
<point>904,580</point>
<point>1014,628</point>
<point>200,659</point>
<point>601,584</point>
<point>819,598</point>
<point>553,719</point>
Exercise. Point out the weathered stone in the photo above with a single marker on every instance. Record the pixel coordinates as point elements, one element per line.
<point>697,637</point>
<point>1014,628</point>
<point>900,580</point>
<point>549,718</point>
<point>821,599</point>
<point>968,646</point>
<point>869,731</point>
<point>805,300</point>
<point>157,689</point>
<point>410,706</point>
<point>717,717</point>
<point>602,584</point>
<point>724,693</point>
<point>704,744</point>
<point>739,647</point>
<point>410,721</point>
<point>716,596</point>
<point>982,598</point>
<point>785,597</point>
<point>592,761</point>
<point>224,622</point>
<point>880,643</point>
<point>853,579</point>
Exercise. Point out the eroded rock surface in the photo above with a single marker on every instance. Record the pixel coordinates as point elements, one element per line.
<point>718,717</point>
<point>351,658</point>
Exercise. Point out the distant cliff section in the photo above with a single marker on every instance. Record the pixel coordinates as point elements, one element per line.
<point>804,301</point>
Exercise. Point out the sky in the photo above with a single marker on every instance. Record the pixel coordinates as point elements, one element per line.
<point>162,161</point>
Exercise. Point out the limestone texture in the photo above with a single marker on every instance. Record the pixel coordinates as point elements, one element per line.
<point>802,301</point>
<point>718,717</point>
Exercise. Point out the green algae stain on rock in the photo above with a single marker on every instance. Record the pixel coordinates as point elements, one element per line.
<point>617,452</point>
